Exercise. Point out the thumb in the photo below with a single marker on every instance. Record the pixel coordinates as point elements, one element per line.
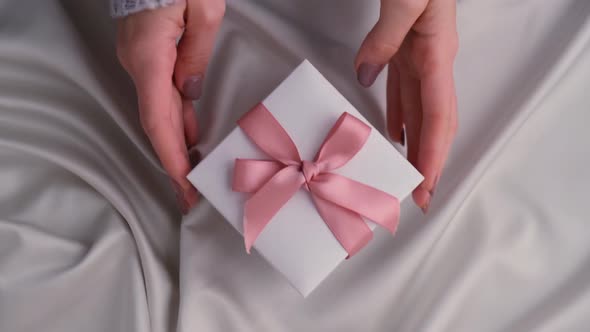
<point>396,18</point>
<point>203,18</point>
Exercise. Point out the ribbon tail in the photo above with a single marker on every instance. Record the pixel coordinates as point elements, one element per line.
<point>371,203</point>
<point>268,200</point>
<point>348,227</point>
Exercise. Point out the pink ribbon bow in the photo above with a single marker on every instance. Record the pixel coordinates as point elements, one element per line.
<point>341,202</point>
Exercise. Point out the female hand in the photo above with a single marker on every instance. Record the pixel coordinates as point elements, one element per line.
<point>418,39</point>
<point>168,78</point>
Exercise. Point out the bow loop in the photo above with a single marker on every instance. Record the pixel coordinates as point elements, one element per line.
<point>343,142</point>
<point>272,139</point>
<point>341,202</point>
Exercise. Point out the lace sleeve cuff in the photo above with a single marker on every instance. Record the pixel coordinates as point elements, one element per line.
<point>122,8</point>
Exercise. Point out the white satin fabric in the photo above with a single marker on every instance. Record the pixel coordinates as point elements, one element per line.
<point>90,239</point>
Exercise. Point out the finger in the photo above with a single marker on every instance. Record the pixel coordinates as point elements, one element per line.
<point>203,18</point>
<point>191,128</point>
<point>384,40</point>
<point>161,117</point>
<point>453,125</point>
<point>411,112</point>
<point>437,99</point>
<point>395,123</point>
<point>191,132</point>
<point>165,128</point>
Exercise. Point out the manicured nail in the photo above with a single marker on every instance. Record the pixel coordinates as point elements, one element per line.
<point>402,137</point>
<point>367,74</point>
<point>194,156</point>
<point>191,89</point>
<point>182,204</point>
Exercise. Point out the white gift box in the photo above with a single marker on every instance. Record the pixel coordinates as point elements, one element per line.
<point>297,241</point>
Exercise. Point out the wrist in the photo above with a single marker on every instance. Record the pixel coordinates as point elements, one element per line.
<point>122,8</point>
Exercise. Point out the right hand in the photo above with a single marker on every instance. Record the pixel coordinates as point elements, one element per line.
<point>168,78</point>
<point>418,40</point>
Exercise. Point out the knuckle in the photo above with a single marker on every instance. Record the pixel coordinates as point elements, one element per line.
<point>384,49</point>
<point>432,59</point>
<point>210,13</point>
<point>434,56</point>
<point>411,6</point>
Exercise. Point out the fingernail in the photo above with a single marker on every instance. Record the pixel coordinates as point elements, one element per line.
<point>426,205</point>
<point>191,89</point>
<point>367,74</point>
<point>182,204</point>
<point>403,137</point>
<point>194,156</point>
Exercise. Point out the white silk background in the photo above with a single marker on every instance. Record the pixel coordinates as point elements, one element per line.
<point>90,239</point>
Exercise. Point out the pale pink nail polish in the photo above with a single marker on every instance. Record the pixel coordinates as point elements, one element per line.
<point>367,74</point>
<point>192,87</point>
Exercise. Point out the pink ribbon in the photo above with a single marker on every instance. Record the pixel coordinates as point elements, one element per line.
<point>341,202</point>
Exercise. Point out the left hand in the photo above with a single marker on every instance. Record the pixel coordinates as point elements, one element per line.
<point>168,77</point>
<point>418,40</point>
